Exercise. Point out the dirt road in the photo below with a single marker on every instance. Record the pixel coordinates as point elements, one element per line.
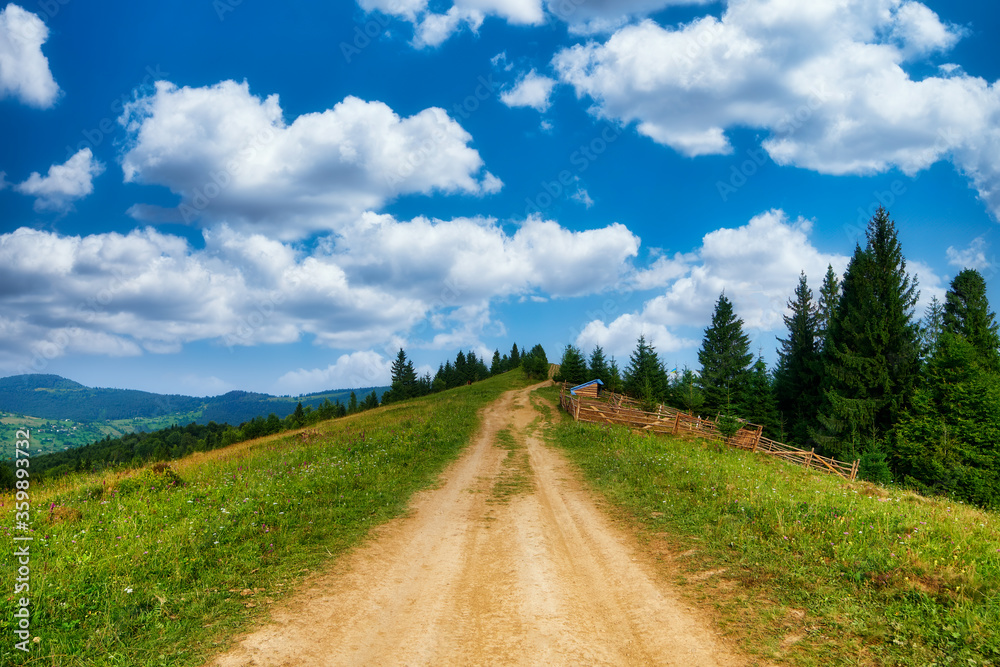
<point>508,562</point>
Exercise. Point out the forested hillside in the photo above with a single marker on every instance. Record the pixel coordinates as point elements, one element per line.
<point>858,376</point>
<point>54,397</point>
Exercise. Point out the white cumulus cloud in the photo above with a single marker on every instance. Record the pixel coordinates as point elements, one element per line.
<point>757,265</point>
<point>971,257</point>
<point>432,26</point>
<point>357,369</point>
<point>531,90</point>
<point>826,80</point>
<point>232,157</point>
<point>384,282</point>
<point>64,184</point>
<point>24,70</point>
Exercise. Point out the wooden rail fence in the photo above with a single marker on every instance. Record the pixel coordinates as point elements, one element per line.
<point>624,411</point>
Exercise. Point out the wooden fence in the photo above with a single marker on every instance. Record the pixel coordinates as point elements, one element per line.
<point>624,411</point>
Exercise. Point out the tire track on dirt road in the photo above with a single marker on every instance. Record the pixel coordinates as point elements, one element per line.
<point>537,576</point>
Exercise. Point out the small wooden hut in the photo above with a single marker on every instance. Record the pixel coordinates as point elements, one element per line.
<point>590,389</point>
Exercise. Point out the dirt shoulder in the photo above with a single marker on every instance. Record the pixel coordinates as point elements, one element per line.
<point>508,561</point>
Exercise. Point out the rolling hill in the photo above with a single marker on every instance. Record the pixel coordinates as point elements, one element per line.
<point>69,414</point>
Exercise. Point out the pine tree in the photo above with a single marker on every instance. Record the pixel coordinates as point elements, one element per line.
<point>535,363</point>
<point>352,404</point>
<point>645,379</point>
<point>496,367</point>
<point>762,410</point>
<point>515,356</point>
<point>404,379</point>
<point>949,439</point>
<point>967,313</point>
<point>871,360</point>
<point>598,367</point>
<point>614,383</point>
<point>461,369</point>
<point>687,393</point>
<point>797,377</point>
<point>931,327</point>
<point>371,401</point>
<point>572,367</point>
<point>829,297</point>
<point>480,370</point>
<point>725,359</point>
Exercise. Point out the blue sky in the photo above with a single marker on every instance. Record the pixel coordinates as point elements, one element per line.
<point>219,194</point>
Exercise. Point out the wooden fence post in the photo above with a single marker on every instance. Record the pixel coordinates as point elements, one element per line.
<point>854,469</point>
<point>809,458</point>
<point>677,423</point>
<point>576,411</point>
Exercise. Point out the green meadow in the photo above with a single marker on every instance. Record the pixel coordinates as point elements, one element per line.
<point>163,566</point>
<point>804,568</point>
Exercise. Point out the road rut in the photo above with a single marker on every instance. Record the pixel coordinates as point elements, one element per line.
<point>508,561</point>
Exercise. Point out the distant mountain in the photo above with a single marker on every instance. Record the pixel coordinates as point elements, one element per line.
<point>55,397</point>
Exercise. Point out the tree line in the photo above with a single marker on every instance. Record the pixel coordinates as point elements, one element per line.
<point>137,449</point>
<point>858,375</point>
<point>466,369</point>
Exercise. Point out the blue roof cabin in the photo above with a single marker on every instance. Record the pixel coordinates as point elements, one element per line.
<point>590,389</point>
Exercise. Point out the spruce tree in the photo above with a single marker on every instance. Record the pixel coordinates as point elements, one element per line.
<point>572,367</point>
<point>687,392</point>
<point>931,327</point>
<point>614,377</point>
<point>967,313</point>
<point>461,369</point>
<point>725,359</point>
<point>404,379</point>
<point>645,379</point>
<point>598,367</point>
<point>797,377</point>
<point>535,363</point>
<point>949,439</point>
<point>871,360</point>
<point>496,367</point>
<point>762,409</point>
<point>515,356</point>
<point>370,402</point>
<point>829,298</point>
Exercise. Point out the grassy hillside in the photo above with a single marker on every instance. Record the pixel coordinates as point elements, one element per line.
<point>54,435</point>
<point>805,568</point>
<point>64,414</point>
<point>154,570</point>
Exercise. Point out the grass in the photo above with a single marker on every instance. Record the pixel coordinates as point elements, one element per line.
<point>149,570</point>
<point>805,568</point>
<point>515,476</point>
<point>56,435</point>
